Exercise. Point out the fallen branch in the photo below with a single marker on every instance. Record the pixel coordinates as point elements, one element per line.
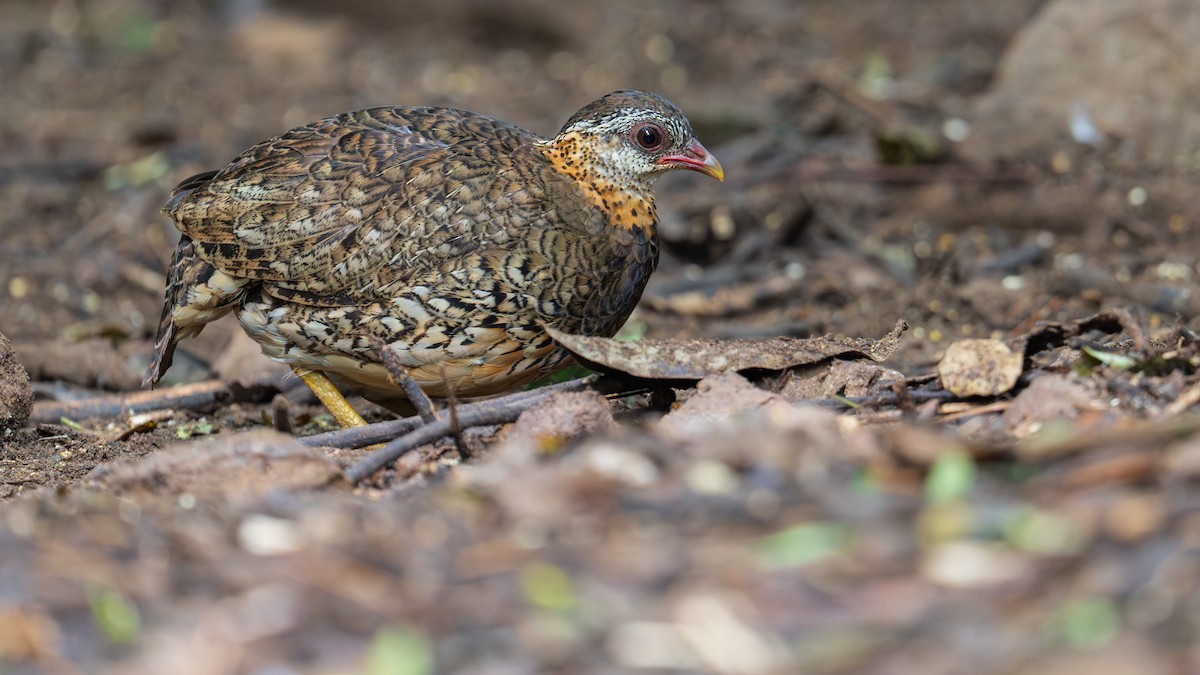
<point>498,411</point>
<point>950,414</point>
<point>380,432</point>
<point>882,400</point>
<point>198,397</point>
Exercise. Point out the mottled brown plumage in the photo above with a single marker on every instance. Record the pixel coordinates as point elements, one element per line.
<point>450,236</point>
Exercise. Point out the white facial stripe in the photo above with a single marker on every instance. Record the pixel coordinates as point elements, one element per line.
<point>615,123</point>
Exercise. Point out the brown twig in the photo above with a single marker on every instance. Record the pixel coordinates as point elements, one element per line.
<point>890,398</point>
<point>952,414</point>
<point>904,398</point>
<point>281,417</point>
<point>379,432</point>
<point>198,397</point>
<point>400,376</point>
<point>1186,399</point>
<point>498,411</point>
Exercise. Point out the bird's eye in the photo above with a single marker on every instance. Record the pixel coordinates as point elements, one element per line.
<point>650,136</point>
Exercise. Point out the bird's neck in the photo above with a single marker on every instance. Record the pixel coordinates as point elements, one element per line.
<point>627,201</point>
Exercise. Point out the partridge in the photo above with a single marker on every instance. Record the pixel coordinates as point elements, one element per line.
<point>450,237</point>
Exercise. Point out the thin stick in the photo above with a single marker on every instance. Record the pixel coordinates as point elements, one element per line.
<point>380,432</point>
<point>387,356</point>
<point>200,396</point>
<point>499,411</point>
<point>359,437</point>
<point>281,417</point>
<point>985,409</point>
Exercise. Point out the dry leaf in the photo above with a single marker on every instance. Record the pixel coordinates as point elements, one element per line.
<point>979,368</point>
<point>697,359</point>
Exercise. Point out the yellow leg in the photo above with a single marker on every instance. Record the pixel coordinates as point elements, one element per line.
<point>328,394</point>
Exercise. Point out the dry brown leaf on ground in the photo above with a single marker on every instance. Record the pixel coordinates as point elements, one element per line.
<point>839,378</point>
<point>697,359</point>
<point>1113,321</point>
<point>1050,397</point>
<point>716,400</point>
<point>979,368</point>
<point>989,367</point>
<point>727,418</point>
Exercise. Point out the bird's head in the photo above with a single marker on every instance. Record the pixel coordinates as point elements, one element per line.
<point>627,139</point>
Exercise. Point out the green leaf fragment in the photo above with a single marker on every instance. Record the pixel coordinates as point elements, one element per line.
<point>802,544</point>
<point>951,478</point>
<point>116,617</point>
<point>548,586</point>
<point>1089,622</point>
<point>1045,533</point>
<point>1111,359</point>
<point>396,650</point>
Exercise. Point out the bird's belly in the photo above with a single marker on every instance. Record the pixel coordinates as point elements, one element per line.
<point>465,355</point>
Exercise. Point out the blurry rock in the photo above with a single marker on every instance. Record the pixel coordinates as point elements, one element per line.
<point>1097,70</point>
<point>16,397</point>
<point>240,465</point>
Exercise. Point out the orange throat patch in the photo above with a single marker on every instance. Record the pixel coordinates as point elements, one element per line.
<point>624,206</point>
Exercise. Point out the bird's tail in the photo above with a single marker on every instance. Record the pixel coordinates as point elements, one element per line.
<point>197,293</point>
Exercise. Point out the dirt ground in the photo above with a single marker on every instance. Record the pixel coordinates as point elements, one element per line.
<point>1008,485</point>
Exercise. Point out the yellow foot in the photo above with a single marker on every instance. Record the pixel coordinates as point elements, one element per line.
<point>328,394</point>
